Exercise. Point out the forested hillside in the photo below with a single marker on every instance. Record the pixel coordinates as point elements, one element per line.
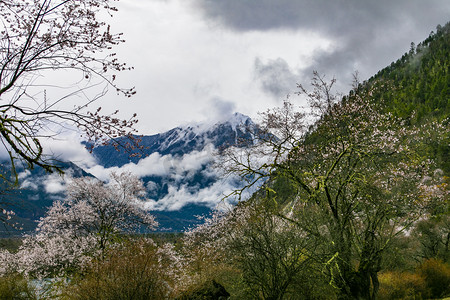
<point>417,85</point>
<point>355,206</point>
<point>416,88</point>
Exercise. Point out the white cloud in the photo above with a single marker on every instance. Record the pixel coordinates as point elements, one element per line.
<point>161,165</point>
<point>151,186</point>
<point>211,196</point>
<point>183,62</point>
<point>177,169</point>
<point>24,174</point>
<point>194,161</point>
<point>218,109</point>
<point>54,185</point>
<point>28,184</point>
<point>188,54</point>
<point>68,147</point>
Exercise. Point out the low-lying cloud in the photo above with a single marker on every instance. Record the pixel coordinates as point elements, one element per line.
<point>212,196</point>
<point>176,171</point>
<point>161,165</point>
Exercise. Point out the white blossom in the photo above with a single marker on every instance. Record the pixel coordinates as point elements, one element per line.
<point>83,225</point>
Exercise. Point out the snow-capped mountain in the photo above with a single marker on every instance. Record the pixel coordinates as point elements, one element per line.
<point>176,167</point>
<point>181,140</point>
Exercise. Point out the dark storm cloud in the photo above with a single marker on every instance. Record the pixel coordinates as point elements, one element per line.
<point>274,14</point>
<point>366,35</point>
<point>334,17</point>
<point>276,77</point>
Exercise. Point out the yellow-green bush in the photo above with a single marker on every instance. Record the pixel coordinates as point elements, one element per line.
<point>208,290</point>
<point>132,272</point>
<point>402,285</point>
<point>431,279</point>
<point>15,287</point>
<point>437,277</point>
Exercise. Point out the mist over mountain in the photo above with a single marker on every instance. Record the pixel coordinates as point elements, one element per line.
<point>181,140</point>
<point>176,167</point>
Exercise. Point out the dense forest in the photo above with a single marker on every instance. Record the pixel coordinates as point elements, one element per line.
<point>353,206</point>
<point>417,87</point>
<point>418,81</point>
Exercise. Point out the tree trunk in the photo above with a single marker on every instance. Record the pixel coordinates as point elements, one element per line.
<point>360,285</point>
<point>376,285</point>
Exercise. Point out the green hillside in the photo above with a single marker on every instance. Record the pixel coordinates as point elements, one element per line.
<point>362,185</point>
<point>417,88</point>
<point>420,80</point>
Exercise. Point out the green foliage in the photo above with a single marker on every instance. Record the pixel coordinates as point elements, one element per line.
<point>401,285</point>
<point>15,287</point>
<point>437,277</point>
<point>282,190</point>
<point>417,88</point>
<point>401,255</point>
<point>10,244</point>
<point>431,280</point>
<point>269,250</point>
<point>433,235</point>
<point>419,80</point>
<point>209,290</point>
<point>131,272</point>
<point>259,255</point>
<point>363,174</point>
<point>310,283</point>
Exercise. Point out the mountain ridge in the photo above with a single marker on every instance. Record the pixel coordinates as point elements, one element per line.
<point>179,140</point>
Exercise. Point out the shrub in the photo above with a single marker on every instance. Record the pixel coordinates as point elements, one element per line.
<point>209,290</point>
<point>132,272</point>
<point>15,287</point>
<point>311,284</point>
<point>401,285</point>
<point>437,277</point>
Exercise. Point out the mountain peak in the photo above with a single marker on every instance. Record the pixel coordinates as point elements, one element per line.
<point>184,139</point>
<point>238,119</point>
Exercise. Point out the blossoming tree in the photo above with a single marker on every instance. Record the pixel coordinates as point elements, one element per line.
<point>37,39</point>
<point>85,224</point>
<point>267,250</point>
<point>358,181</point>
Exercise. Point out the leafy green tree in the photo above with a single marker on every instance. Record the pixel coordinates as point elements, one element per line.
<point>433,235</point>
<point>419,81</point>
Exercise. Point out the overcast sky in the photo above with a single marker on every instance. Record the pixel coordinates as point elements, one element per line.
<point>204,59</point>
